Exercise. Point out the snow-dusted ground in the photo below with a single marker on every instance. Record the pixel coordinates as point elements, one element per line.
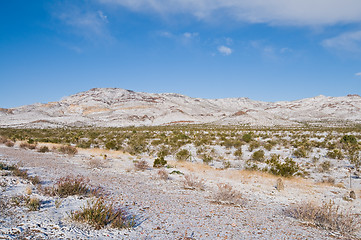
<point>163,209</point>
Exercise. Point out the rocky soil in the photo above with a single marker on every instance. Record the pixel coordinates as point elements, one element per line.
<point>163,209</point>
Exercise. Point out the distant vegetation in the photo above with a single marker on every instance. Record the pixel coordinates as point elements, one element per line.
<point>204,143</point>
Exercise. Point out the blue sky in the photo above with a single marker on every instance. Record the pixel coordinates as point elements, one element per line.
<point>268,50</point>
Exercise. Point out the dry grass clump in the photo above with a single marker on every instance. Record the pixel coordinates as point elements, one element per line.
<point>67,149</point>
<point>26,145</point>
<point>327,216</point>
<point>3,140</point>
<point>100,214</point>
<point>193,182</point>
<point>9,143</point>
<point>227,195</point>
<point>141,165</point>
<point>16,171</point>
<point>96,163</point>
<point>33,204</point>
<point>162,174</point>
<point>43,149</point>
<point>69,186</point>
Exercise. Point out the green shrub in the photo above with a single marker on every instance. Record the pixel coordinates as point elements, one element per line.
<point>253,145</point>
<point>348,139</point>
<point>238,152</point>
<point>247,137</point>
<point>335,154</point>
<point>206,158</point>
<point>286,169</point>
<point>258,156</point>
<point>159,162</point>
<point>183,155</point>
<point>300,152</point>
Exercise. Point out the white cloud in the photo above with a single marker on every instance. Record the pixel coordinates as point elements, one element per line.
<point>225,50</point>
<point>90,24</point>
<point>190,35</point>
<point>278,12</point>
<point>358,74</point>
<point>350,41</point>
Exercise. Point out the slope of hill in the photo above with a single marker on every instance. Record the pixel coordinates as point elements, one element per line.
<point>114,107</point>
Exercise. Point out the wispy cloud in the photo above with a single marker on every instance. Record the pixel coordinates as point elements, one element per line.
<point>87,23</point>
<point>350,41</point>
<point>225,50</point>
<point>278,12</point>
<point>358,74</point>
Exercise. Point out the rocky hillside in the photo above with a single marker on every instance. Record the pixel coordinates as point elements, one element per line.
<point>114,107</point>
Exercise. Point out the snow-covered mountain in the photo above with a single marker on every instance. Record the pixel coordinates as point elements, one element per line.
<point>115,107</point>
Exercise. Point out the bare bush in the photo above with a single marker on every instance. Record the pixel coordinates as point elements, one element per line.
<point>43,149</point>
<point>9,143</point>
<point>67,149</point>
<point>327,216</point>
<point>26,145</point>
<point>192,182</point>
<point>163,174</point>
<point>227,195</point>
<point>141,165</point>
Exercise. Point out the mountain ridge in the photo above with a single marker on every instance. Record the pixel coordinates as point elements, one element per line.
<point>117,107</point>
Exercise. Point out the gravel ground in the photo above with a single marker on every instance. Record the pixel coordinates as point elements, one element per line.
<point>163,208</point>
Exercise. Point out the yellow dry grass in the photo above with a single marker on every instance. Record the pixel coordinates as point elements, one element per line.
<point>102,152</point>
<point>244,176</point>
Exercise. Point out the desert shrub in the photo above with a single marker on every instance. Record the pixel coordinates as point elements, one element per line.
<point>206,158</point>
<point>33,204</point>
<point>162,174</point>
<point>348,139</point>
<point>226,194</point>
<point>70,185</point>
<point>335,154</point>
<point>183,155</point>
<point>9,143</point>
<point>192,182</point>
<point>258,156</point>
<point>327,216</point>
<point>238,152</point>
<point>247,137</point>
<point>300,152</point>
<point>286,169</point>
<point>159,162</point>
<point>67,149</point>
<point>26,145</point>
<point>111,145</point>
<point>100,214</point>
<point>325,166</point>
<point>141,165</point>
<point>253,145</point>
<point>3,140</point>
<point>43,149</point>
